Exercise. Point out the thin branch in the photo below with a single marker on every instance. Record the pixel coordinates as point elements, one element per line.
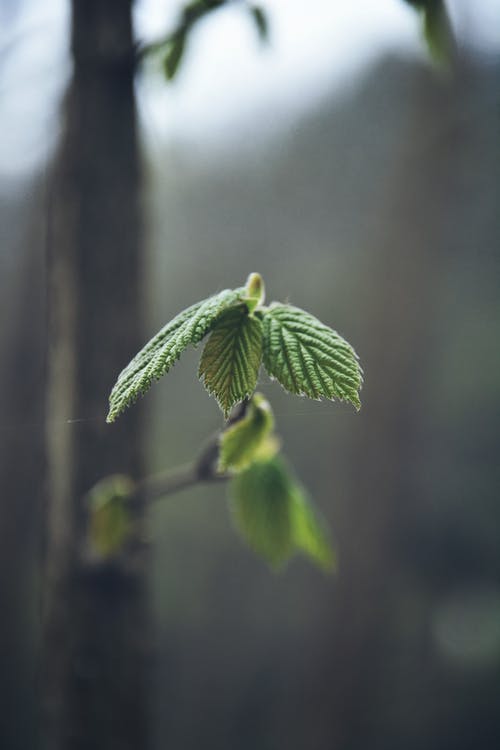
<point>174,480</point>
<point>203,469</point>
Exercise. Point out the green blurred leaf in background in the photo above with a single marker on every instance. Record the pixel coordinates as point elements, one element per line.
<point>261,22</point>
<point>110,522</point>
<point>171,49</point>
<point>173,52</point>
<point>436,29</point>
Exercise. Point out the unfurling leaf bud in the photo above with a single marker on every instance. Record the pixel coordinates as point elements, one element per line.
<point>255,291</point>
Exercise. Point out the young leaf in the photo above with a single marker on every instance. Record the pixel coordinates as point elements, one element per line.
<point>241,442</point>
<point>275,517</point>
<point>174,52</point>
<point>110,523</point>
<point>255,291</point>
<point>310,533</point>
<point>262,510</point>
<point>231,358</point>
<point>438,33</point>
<point>261,22</point>
<point>163,350</point>
<point>436,28</point>
<point>309,358</point>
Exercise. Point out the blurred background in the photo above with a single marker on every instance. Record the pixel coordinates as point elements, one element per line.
<point>362,180</point>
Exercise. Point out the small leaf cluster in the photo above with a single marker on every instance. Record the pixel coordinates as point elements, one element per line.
<point>304,355</point>
<point>269,507</point>
<point>308,358</point>
<point>172,48</point>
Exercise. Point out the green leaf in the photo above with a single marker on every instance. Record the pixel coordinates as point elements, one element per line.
<point>438,35</point>
<point>231,358</point>
<point>275,517</point>
<point>307,357</point>
<point>174,53</point>
<point>261,22</point>
<point>110,523</point>
<point>262,510</point>
<point>163,350</point>
<point>242,441</point>
<point>310,532</point>
<point>436,29</point>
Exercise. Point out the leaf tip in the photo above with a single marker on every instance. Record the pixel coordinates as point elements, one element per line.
<point>356,402</point>
<point>111,416</point>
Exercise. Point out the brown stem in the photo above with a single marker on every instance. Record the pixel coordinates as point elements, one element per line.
<point>204,469</point>
<point>174,480</point>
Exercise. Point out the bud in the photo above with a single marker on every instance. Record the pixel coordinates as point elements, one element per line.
<point>255,291</point>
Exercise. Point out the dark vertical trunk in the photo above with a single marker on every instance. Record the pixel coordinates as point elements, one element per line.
<point>21,469</point>
<point>96,613</point>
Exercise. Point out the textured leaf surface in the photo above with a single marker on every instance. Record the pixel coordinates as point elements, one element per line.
<point>243,441</point>
<point>163,350</point>
<point>262,510</point>
<point>309,358</point>
<point>231,358</point>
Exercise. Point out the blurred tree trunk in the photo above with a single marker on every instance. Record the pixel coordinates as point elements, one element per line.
<point>406,276</point>
<point>21,469</point>
<point>96,616</point>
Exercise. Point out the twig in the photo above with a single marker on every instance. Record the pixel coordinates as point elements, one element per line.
<point>203,469</point>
